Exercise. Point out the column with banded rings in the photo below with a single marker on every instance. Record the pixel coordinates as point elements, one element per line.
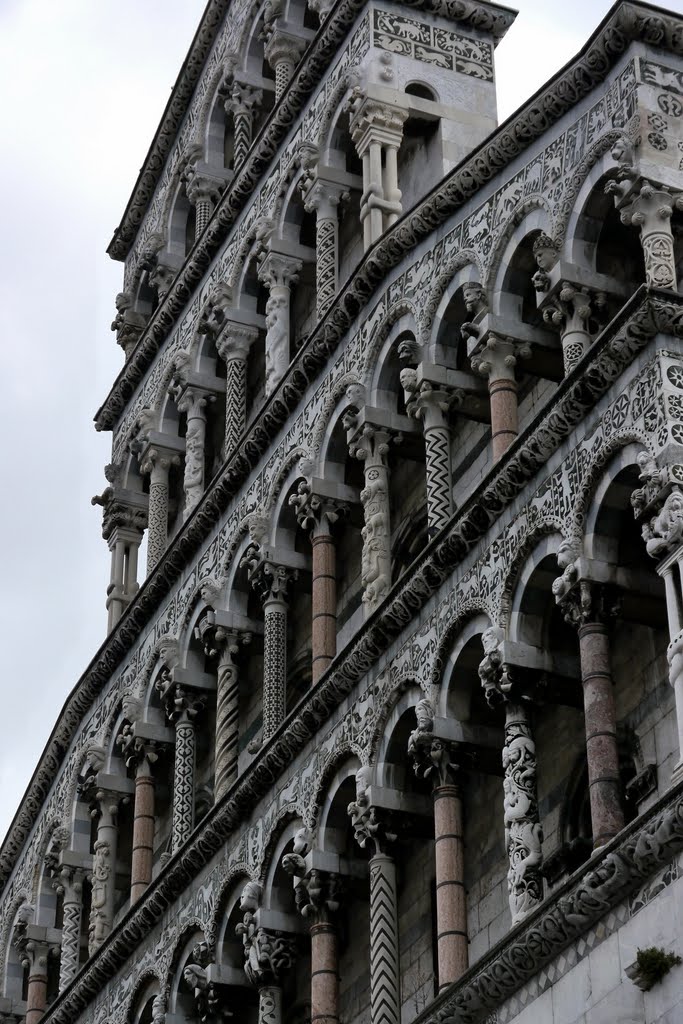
<point>377,131</point>
<point>496,359</point>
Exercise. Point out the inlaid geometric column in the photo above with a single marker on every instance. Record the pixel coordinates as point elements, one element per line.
<point>523,831</point>
<point>272,583</point>
<point>371,446</point>
<point>377,131</point>
<point>182,709</point>
<point>436,760</point>
<point>193,401</point>
<point>430,404</point>
<point>278,273</point>
<point>233,347</point>
<point>649,207</point>
<point>570,311</point>
<point>497,359</point>
<point>69,885</point>
<point>324,197</point>
<point>103,878</point>
<point>157,462</point>
<point>283,52</point>
<point>590,607</point>
<point>370,831</point>
<point>268,956</point>
<point>203,191</point>
<point>241,103</point>
<point>317,515</point>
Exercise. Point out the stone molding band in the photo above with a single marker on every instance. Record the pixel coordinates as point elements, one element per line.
<point>591,67</point>
<point>645,315</point>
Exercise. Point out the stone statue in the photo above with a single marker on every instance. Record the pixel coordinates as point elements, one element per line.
<point>664,532</point>
<point>100,915</point>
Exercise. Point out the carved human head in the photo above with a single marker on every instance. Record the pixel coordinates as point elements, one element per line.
<point>251,897</point>
<point>473,297</point>
<point>545,251</point>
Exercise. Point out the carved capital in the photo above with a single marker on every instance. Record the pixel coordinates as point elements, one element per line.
<point>370,824</point>
<point>316,514</point>
<point>582,601</point>
<point>497,357</point>
<point>279,271</point>
<point>204,187</point>
<point>242,99</point>
<point>427,402</point>
<point>374,122</point>
<point>270,581</point>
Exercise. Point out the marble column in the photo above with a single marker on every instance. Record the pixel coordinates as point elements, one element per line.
<point>671,571</point>
<point>141,755</point>
<point>650,208</point>
<point>182,711</point>
<point>35,957</point>
<point>569,311</point>
<point>157,463</point>
<point>278,273</point>
<point>241,103</point>
<point>124,544</point>
<point>318,897</point>
<point>103,878</point>
<point>370,831</point>
<point>324,197</point>
<point>203,191</point>
<point>69,885</point>
<point>371,446</point>
<point>272,583</point>
<point>496,361</point>
<point>436,760</point>
<point>317,515</point>
<point>589,607</point>
<point>267,956</point>
<point>233,348</point>
<point>377,131</point>
<point>193,402</point>
<point>283,52</point>
<point>228,643</point>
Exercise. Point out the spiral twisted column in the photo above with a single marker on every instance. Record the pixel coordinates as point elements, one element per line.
<point>233,346</point>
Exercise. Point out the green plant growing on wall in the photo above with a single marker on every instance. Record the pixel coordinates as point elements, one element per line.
<point>651,965</point>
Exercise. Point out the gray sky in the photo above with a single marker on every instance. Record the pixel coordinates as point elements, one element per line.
<point>82,86</point>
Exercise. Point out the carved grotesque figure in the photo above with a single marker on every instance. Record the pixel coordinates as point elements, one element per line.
<point>665,531</point>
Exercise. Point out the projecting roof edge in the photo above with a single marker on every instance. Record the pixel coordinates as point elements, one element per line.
<point>483,15</point>
<point>626,22</point>
<point>645,315</point>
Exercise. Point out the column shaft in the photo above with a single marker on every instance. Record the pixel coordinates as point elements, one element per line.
<point>523,833</point>
<point>439,482</point>
<point>384,953</point>
<point>183,781</point>
<point>157,534</point>
<point>270,1005</point>
<point>143,832</point>
<point>374,189</point>
<point>235,403</point>
<point>504,424</point>
<point>324,974</point>
<point>242,138</point>
<point>203,209</point>
<point>274,665</point>
<point>601,733</point>
<point>326,246</point>
<point>71,930</point>
<point>195,441</point>
<point>227,723</point>
<point>376,560</point>
<point>284,69</point>
<point>451,900</point>
<point>392,192</point>
<point>324,603</point>
<point>103,877</point>
<point>36,997</point>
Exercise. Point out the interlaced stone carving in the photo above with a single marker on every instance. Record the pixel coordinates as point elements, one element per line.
<point>208,997</point>
<point>278,273</point>
<point>434,759</point>
<point>663,533</point>
<point>102,886</point>
<point>267,954</point>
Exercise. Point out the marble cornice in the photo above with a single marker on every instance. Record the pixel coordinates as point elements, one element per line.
<point>478,14</point>
<point>614,872</point>
<point>625,23</point>
<point>646,314</point>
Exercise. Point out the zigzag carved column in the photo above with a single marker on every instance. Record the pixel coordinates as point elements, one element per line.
<point>70,886</point>
<point>385,1003</point>
<point>430,403</point>
<point>434,759</point>
<point>233,347</point>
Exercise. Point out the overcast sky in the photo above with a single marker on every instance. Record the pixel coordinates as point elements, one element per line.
<point>83,84</point>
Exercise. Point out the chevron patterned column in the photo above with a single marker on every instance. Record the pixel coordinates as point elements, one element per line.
<point>70,886</point>
<point>384,963</point>
<point>430,403</point>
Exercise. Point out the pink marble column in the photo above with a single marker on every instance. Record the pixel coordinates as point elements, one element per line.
<point>604,783</point>
<point>504,422</point>
<point>324,974</point>
<point>36,996</point>
<point>143,831</point>
<point>324,600</point>
<point>451,900</point>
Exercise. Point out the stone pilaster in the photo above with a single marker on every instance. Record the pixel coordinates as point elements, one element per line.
<point>242,103</point>
<point>377,130</point>
<point>69,885</point>
<point>233,346</point>
<point>590,607</point>
<point>496,360</point>
<point>278,273</point>
<point>271,582</point>
<point>436,760</point>
<point>649,207</point>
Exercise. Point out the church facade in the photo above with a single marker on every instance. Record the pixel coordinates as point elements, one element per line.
<point>388,728</point>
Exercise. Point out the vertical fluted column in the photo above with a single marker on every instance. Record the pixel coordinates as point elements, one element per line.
<point>370,831</point>
<point>325,197</point>
<point>278,273</point>
<point>496,361</point>
<point>371,446</point>
<point>193,402</point>
<point>272,582</point>
<point>233,347</point>
<point>316,515</point>
<point>241,104</point>
<point>103,878</point>
<point>70,887</point>
<point>589,607</point>
<point>35,958</point>
<point>650,209</point>
<point>157,464</point>
<point>435,759</point>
